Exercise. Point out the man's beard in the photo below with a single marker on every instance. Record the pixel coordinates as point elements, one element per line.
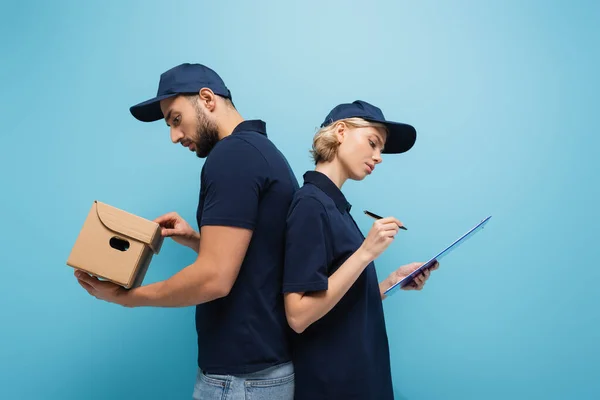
<point>207,134</point>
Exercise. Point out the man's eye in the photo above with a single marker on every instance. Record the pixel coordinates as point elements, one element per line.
<point>176,120</point>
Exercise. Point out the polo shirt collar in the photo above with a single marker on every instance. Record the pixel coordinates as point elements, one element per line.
<point>254,125</point>
<point>323,182</point>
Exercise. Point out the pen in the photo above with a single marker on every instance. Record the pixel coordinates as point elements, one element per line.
<point>375,216</point>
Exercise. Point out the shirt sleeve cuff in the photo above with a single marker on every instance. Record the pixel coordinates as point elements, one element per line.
<point>227,222</point>
<point>305,287</point>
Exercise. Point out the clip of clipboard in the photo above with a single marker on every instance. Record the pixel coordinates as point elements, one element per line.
<point>408,279</point>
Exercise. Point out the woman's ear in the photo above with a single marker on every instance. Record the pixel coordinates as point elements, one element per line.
<point>341,130</point>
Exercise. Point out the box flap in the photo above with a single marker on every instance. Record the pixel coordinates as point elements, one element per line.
<point>130,225</point>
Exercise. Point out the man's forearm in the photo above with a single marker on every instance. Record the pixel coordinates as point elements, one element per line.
<point>194,242</point>
<point>193,285</point>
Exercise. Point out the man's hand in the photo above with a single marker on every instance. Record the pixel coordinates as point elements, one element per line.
<point>103,290</point>
<point>418,281</point>
<point>179,230</point>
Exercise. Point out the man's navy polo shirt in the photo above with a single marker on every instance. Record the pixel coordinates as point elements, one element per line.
<point>345,354</point>
<point>246,182</point>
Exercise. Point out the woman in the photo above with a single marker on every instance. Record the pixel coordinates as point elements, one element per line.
<point>332,295</point>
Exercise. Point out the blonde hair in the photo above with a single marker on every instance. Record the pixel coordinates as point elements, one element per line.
<point>325,142</point>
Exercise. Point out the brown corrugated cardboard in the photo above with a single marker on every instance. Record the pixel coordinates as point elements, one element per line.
<point>115,245</point>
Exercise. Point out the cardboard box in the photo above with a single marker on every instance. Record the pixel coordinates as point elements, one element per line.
<point>116,245</point>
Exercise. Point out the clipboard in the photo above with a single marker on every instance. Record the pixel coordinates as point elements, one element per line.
<point>409,278</point>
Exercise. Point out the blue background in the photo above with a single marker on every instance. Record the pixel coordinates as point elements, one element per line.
<point>505,99</point>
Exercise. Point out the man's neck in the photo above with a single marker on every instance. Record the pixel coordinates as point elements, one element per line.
<point>228,122</point>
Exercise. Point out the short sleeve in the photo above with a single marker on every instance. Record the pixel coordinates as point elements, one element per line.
<point>307,247</point>
<point>234,176</point>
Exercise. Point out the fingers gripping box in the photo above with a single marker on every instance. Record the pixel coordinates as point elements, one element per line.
<point>115,245</point>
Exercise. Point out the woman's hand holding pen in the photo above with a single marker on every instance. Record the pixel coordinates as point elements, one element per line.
<point>379,238</point>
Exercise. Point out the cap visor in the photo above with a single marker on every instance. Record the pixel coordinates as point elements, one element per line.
<point>401,137</point>
<point>149,110</point>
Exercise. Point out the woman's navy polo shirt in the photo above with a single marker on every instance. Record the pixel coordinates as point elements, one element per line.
<point>345,354</point>
<point>246,182</point>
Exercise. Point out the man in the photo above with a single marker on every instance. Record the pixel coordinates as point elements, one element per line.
<point>235,282</point>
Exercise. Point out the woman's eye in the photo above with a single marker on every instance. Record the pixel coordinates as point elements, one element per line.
<point>372,144</point>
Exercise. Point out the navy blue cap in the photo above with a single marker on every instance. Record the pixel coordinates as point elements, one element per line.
<point>182,79</point>
<point>401,137</point>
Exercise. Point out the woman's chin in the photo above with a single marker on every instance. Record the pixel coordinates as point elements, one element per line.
<point>359,177</point>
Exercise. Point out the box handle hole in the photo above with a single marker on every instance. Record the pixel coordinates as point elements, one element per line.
<point>119,244</point>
